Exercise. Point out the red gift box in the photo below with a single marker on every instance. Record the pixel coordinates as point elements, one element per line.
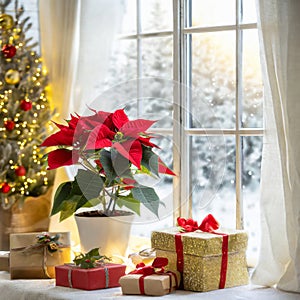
<point>106,276</point>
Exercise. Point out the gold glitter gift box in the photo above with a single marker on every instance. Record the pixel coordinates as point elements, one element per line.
<point>203,258</point>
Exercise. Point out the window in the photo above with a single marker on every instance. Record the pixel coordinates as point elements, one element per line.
<point>194,65</point>
<point>31,11</point>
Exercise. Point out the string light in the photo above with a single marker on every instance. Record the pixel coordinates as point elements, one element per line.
<point>29,125</point>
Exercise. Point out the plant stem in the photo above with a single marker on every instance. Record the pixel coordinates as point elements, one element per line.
<point>104,202</point>
<point>109,205</point>
<point>115,201</point>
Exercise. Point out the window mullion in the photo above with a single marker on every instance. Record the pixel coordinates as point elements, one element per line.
<point>139,57</point>
<point>238,138</point>
<point>182,205</point>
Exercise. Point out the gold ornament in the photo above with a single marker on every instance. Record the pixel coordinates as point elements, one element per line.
<point>12,76</point>
<point>16,33</point>
<point>6,21</point>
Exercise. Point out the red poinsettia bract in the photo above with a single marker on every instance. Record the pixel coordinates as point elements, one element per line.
<point>98,131</point>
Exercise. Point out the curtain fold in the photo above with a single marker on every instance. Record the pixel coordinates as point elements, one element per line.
<point>77,37</point>
<point>279,261</point>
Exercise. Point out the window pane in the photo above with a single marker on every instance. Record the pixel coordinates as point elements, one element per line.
<point>213,178</point>
<point>249,11</point>
<point>252,81</point>
<point>164,188</point>
<point>157,57</point>
<point>213,12</point>
<point>213,80</point>
<point>156,15</point>
<point>129,19</point>
<point>252,148</point>
<point>31,11</point>
<point>157,63</point>
<point>29,5</point>
<point>123,63</point>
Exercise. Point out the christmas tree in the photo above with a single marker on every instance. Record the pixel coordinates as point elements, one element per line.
<point>24,111</point>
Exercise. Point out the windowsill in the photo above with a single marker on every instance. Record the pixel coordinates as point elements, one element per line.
<point>46,289</point>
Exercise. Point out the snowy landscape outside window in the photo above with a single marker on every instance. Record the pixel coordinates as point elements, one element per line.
<point>211,47</point>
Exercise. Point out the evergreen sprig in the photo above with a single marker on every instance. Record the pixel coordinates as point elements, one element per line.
<point>90,260</point>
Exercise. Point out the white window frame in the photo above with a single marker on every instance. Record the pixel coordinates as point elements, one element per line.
<point>180,131</point>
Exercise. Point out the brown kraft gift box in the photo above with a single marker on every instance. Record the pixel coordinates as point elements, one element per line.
<point>30,262</point>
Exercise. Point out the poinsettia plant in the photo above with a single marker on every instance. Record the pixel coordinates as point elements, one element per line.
<point>110,151</point>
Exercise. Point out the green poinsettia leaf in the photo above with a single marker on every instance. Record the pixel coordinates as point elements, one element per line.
<point>129,202</point>
<point>107,165</point>
<point>62,193</point>
<point>120,164</point>
<point>150,161</point>
<point>89,183</point>
<point>148,197</point>
<point>67,209</point>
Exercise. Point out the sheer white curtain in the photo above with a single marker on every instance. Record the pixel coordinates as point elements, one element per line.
<point>279,262</point>
<point>76,39</point>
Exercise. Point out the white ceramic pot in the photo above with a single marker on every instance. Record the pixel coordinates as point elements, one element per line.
<point>110,234</point>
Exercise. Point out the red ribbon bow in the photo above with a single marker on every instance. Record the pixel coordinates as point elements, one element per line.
<point>209,224</point>
<point>158,263</point>
<point>157,267</point>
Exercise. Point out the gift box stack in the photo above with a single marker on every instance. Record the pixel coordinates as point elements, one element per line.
<point>207,259</point>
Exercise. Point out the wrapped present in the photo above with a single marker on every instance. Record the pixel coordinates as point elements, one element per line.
<point>4,260</point>
<point>207,258</point>
<point>101,277</point>
<point>35,255</point>
<point>150,280</point>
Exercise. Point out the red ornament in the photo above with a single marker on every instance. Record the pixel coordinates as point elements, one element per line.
<point>9,51</point>
<point>9,125</point>
<point>5,188</point>
<point>25,105</point>
<point>20,171</point>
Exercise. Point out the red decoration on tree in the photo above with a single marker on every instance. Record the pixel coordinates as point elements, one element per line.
<point>9,51</point>
<point>9,125</point>
<point>25,105</point>
<point>5,188</point>
<point>20,171</point>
